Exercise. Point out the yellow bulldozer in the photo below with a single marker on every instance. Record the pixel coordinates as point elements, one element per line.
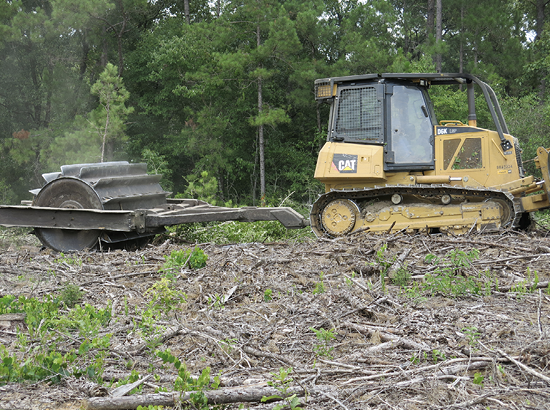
<point>390,165</point>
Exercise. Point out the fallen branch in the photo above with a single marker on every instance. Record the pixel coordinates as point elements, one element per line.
<point>127,388</point>
<point>532,286</point>
<point>398,263</point>
<point>511,258</point>
<point>480,362</point>
<point>524,367</point>
<point>240,394</point>
<point>386,337</point>
<point>259,353</point>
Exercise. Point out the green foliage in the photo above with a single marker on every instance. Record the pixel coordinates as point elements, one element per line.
<point>51,366</point>
<point>109,118</point>
<point>240,232</point>
<point>528,120</point>
<point>186,383</point>
<point>447,279</point>
<point>268,295</point>
<point>164,296</point>
<point>528,285</point>
<point>472,335</point>
<point>45,322</point>
<point>87,320</point>
<point>194,88</point>
<point>192,258</point>
<point>325,337</point>
<point>68,260</point>
<point>36,310</point>
<point>319,286</point>
<point>383,262</point>
<point>438,356</point>
<point>478,379</point>
<point>203,187</point>
<point>216,301</point>
<point>133,377</point>
<point>402,277</point>
<point>70,295</point>
<point>282,382</point>
<point>157,164</point>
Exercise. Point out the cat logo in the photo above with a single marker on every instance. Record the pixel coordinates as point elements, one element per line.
<point>344,163</point>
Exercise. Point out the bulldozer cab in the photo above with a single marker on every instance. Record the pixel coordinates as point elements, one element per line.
<point>394,111</point>
<point>396,115</point>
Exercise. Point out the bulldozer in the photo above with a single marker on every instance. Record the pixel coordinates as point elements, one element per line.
<point>388,164</point>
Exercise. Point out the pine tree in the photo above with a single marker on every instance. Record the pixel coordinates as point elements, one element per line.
<point>109,118</point>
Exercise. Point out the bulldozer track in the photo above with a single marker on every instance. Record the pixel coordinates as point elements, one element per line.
<point>428,192</point>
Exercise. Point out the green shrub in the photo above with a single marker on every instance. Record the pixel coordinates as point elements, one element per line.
<point>240,232</point>
<point>192,258</point>
<point>71,295</point>
<point>447,278</point>
<point>185,383</point>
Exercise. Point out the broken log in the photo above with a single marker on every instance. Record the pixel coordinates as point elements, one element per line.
<point>240,394</point>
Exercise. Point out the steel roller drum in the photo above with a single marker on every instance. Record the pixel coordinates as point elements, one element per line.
<point>109,185</point>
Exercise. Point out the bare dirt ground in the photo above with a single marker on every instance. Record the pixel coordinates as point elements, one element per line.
<point>259,307</point>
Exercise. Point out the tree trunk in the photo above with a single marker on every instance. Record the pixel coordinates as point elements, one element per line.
<point>105,49</point>
<point>461,51</point>
<point>186,11</point>
<point>539,27</point>
<point>461,57</point>
<point>119,38</point>
<point>85,51</point>
<point>430,19</point>
<point>438,34</point>
<point>254,175</point>
<point>319,127</point>
<point>105,132</point>
<point>261,131</point>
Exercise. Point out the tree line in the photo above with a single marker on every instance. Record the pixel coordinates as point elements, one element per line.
<point>218,95</point>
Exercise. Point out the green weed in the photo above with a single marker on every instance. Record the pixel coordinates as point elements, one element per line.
<point>192,258</point>
<point>240,232</point>
<point>68,260</point>
<point>185,383</point>
<point>472,335</point>
<point>320,286</point>
<point>52,366</point>
<point>216,301</point>
<point>325,337</point>
<point>86,320</point>
<point>164,297</point>
<point>529,285</point>
<point>402,277</point>
<point>384,262</point>
<point>281,382</point>
<point>71,294</point>
<point>438,356</point>
<point>447,279</point>
<point>478,379</point>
